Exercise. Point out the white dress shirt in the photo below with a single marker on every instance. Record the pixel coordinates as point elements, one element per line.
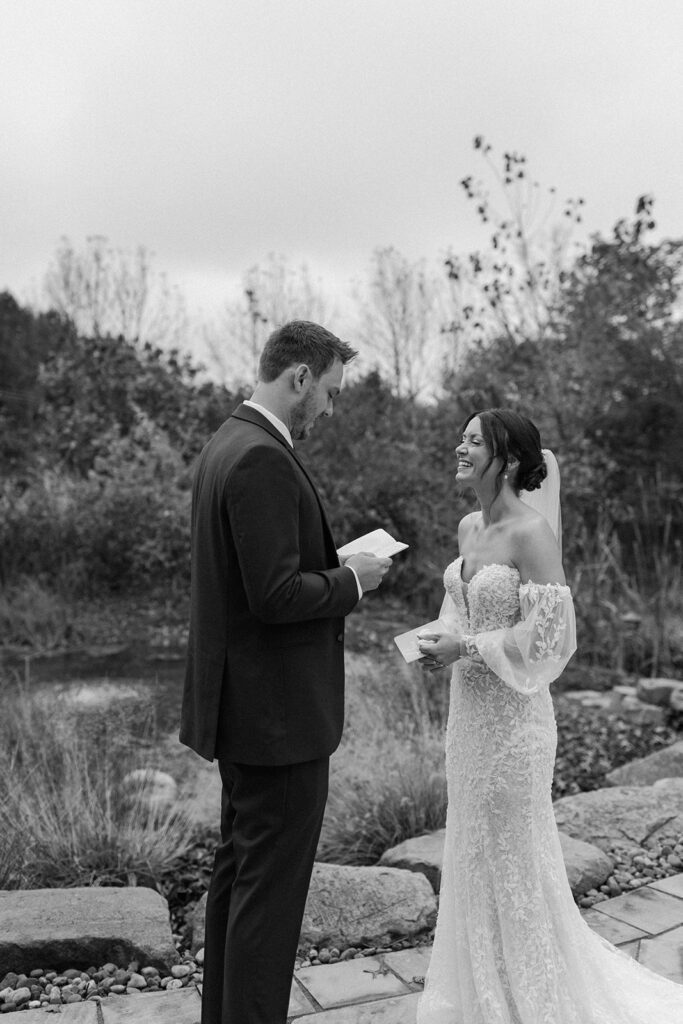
<point>284,430</point>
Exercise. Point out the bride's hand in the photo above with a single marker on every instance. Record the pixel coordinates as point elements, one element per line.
<point>438,649</point>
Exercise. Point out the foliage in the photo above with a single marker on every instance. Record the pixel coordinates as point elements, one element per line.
<point>99,433</point>
<point>510,290</point>
<point>35,617</point>
<point>591,743</point>
<point>61,773</point>
<point>125,525</point>
<point>384,461</point>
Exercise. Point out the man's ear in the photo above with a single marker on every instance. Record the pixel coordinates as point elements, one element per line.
<point>302,377</point>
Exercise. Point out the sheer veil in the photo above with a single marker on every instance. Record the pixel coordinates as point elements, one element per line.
<point>546,499</point>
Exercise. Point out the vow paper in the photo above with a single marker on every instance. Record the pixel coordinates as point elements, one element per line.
<point>407,642</point>
<point>378,542</point>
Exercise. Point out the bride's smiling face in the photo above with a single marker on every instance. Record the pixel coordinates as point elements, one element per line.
<point>474,455</point>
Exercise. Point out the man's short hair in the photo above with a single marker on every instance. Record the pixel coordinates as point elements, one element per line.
<point>301,341</point>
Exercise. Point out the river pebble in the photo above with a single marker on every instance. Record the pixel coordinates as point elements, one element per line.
<point>657,858</point>
<point>48,988</point>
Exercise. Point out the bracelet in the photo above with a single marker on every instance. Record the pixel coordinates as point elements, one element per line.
<point>470,644</point>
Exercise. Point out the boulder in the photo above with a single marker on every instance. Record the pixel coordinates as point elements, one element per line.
<point>670,786</point>
<point>587,866</point>
<point>355,906</point>
<point>79,927</point>
<point>658,691</point>
<point>156,791</point>
<point>619,817</point>
<point>423,853</point>
<point>590,698</point>
<point>626,704</point>
<point>662,764</point>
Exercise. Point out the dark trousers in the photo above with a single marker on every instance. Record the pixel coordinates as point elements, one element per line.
<point>270,825</point>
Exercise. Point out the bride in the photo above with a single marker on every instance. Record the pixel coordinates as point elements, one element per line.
<point>511,946</point>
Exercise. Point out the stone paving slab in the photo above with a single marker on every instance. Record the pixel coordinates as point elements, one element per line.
<point>409,963</point>
<point>664,954</point>
<point>673,885</point>
<point>351,981</point>
<point>632,948</point>
<point>179,1006</point>
<point>71,1013</point>
<point>646,908</point>
<point>610,928</point>
<point>401,1010</point>
<point>299,1002</point>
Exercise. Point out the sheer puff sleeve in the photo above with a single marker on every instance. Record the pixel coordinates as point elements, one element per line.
<point>533,653</point>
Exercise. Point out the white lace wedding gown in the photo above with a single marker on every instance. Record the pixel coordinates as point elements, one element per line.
<point>511,946</point>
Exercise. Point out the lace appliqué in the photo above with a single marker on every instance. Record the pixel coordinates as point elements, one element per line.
<point>510,945</point>
<point>549,625</point>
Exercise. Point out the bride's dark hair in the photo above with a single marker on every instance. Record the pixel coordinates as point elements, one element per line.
<point>508,433</point>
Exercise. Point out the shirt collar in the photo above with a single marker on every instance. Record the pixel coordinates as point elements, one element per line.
<point>272,418</point>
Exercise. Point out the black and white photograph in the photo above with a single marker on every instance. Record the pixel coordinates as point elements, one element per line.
<point>341,512</point>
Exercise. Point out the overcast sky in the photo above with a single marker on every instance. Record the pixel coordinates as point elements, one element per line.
<point>215,132</point>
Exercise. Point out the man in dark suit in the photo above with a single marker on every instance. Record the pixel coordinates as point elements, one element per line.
<point>264,688</point>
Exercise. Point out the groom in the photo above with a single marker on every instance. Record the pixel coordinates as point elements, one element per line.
<point>264,687</point>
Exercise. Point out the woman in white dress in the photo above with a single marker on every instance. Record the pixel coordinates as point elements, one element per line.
<point>511,946</point>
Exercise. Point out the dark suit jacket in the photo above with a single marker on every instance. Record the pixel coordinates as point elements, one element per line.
<point>264,682</point>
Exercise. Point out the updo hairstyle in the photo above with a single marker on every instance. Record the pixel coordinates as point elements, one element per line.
<point>509,434</point>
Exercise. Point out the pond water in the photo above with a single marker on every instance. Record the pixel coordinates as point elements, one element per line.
<point>101,675</point>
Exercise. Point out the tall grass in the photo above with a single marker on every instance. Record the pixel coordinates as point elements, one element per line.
<point>69,820</point>
<point>387,780</point>
<point>629,600</point>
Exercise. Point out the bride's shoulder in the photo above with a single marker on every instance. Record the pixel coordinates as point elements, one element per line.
<point>531,527</point>
<point>468,523</point>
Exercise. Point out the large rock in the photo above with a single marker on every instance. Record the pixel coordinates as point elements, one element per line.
<point>619,817</point>
<point>62,928</point>
<point>354,906</point>
<point>662,764</point>
<point>587,866</point>
<point>150,789</point>
<point>423,853</point>
<point>658,691</point>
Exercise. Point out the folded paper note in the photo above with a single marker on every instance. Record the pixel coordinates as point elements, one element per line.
<point>379,543</point>
<point>407,642</point>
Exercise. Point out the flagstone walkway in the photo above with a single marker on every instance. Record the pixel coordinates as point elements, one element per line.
<point>646,923</point>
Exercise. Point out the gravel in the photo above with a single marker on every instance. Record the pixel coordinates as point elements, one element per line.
<point>638,866</point>
<point>50,988</point>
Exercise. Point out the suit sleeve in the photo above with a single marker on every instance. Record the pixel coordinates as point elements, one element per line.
<point>262,497</point>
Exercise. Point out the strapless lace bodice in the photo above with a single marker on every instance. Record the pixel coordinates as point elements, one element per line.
<point>511,946</point>
<point>489,600</point>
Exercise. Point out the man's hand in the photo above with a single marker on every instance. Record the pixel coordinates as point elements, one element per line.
<point>370,569</point>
